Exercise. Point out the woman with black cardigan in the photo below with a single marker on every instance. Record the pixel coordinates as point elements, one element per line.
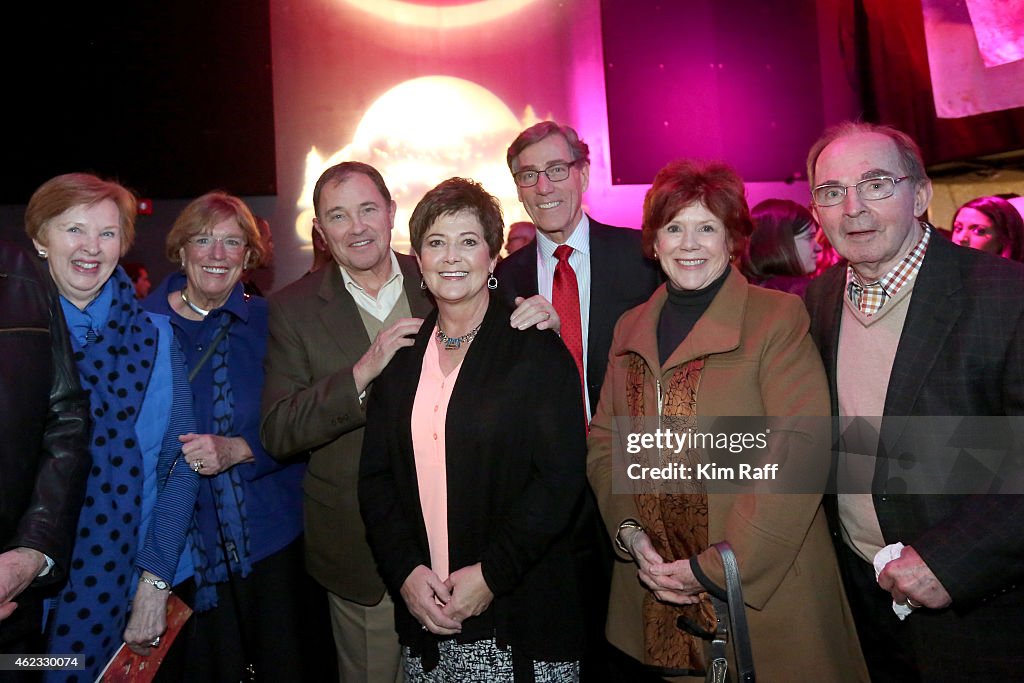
<point>473,467</point>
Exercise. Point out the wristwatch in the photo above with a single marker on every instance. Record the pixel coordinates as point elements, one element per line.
<point>158,584</point>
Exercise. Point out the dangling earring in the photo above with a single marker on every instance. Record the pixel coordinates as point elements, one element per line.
<point>492,282</point>
<point>423,285</point>
<point>42,254</point>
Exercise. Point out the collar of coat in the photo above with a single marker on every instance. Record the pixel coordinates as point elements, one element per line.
<point>717,331</point>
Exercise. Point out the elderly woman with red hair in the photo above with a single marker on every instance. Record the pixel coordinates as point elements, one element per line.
<point>708,344</point>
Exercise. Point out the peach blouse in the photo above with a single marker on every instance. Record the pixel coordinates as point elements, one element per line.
<point>429,414</point>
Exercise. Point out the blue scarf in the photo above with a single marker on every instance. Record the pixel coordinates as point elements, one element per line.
<point>220,532</point>
<point>115,366</point>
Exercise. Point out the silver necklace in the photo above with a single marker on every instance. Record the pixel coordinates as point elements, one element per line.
<point>453,343</point>
<point>188,302</point>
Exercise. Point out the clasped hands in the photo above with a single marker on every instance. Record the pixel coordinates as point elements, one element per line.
<point>671,582</point>
<point>442,606</point>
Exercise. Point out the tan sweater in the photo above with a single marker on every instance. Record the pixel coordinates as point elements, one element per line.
<point>867,349</point>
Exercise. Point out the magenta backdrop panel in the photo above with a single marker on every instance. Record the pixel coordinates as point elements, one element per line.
<point>738,81</point>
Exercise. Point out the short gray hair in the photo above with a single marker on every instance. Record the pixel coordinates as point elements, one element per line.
<point>910,153</point>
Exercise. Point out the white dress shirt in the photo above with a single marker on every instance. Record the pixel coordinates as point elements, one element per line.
<point>388,295</point>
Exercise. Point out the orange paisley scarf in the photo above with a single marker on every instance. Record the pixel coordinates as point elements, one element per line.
<point>677,523</point>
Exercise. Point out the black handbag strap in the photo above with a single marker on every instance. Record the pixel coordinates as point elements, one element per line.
<point>737,614</point>
<point>211,347</point>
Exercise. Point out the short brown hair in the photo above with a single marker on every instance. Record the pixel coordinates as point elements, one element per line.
<point>454,196</point>
<point>687,181</point>
<point>341,172</point>
<point>203,213</point>
<point>537,132</point>
<point>67,191</point>
<point>909,152</point>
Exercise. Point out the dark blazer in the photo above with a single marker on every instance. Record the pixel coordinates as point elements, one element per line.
<point>621,278</point>
<point>310,405</point>
<point>515,458</point>
<point>961,353</point>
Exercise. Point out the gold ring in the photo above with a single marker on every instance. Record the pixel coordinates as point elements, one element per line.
<point>913,605</point>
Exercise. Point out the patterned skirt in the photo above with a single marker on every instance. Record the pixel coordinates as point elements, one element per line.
<point>482,660</point>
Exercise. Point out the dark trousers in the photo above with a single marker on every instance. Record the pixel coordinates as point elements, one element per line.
<point>594,557</point>
<point>886,641</point>
<point>20,634</point>
<point>285,630</point>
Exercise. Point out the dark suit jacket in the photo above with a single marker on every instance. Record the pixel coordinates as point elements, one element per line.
<point>961,353</point>
<point>515,460</point>
<point>621,278</point>
<point>310,405</point>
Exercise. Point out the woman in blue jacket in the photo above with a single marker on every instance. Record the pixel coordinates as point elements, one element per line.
<point>246,546</point>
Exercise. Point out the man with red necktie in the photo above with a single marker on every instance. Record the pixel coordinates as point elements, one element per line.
<point>577,278</point>
<point>551,168</point>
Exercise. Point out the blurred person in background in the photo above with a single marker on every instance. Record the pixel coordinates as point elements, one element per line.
<point>140,278</point>
<point>783,250</point>
<point>520,234</point>
<point>990,224</point>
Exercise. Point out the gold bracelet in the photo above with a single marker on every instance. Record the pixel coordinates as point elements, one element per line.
<point>626,524</point>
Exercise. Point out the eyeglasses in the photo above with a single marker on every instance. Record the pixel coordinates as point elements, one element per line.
<point>232,245</point>
<point>556,173</point>
<point>870,189</point>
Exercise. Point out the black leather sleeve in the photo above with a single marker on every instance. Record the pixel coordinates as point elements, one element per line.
<point>49,522</point>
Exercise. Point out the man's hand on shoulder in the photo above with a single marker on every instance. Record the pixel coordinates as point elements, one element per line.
<point>535,311</point>
<point>383,349</point>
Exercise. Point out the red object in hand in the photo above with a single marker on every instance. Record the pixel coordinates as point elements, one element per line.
<point>127,667</point>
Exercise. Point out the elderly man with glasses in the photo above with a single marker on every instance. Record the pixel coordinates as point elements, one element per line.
<point>912,326</point>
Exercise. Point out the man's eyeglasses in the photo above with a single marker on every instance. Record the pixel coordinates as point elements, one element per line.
<point>232,245</point>
<point>556,173</point>
<point>871,189</point>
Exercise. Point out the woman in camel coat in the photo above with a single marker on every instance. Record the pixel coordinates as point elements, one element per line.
<point>709,344</point>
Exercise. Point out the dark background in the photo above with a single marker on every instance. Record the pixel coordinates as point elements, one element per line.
<point>171,98</point>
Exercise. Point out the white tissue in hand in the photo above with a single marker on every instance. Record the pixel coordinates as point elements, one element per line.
<point>882,558</point>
